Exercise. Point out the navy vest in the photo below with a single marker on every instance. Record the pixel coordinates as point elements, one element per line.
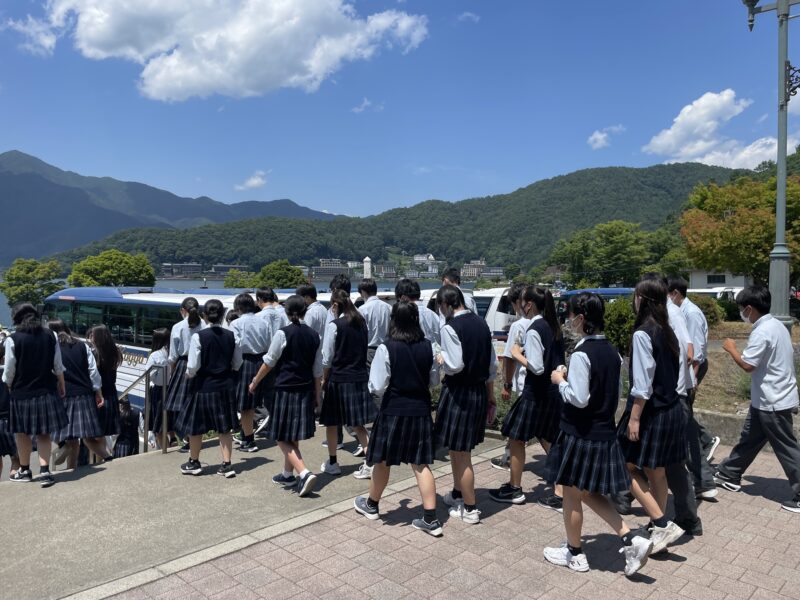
<point>350,353</point>
<point>296,365</point>
<point>76,369</point>
<point>34,352</point>
<point>665,379</point>
<point>5,399</point>
<point>553,356</point>
<point>597,420</point>
<point>216,355</point>
<point>476,350</point>
<point>408,393</point>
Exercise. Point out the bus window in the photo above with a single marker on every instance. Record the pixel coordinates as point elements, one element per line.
<point>154,317</point>
<point>483,303</point>
<point>87,316</point>
<point>121,320</point>
<point>506,307</point>
<point>59,310</point>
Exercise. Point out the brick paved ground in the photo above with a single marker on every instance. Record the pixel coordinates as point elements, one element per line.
<point>748,551</point>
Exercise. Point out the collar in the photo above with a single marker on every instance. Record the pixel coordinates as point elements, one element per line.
<point>536,318</point>
<point>371,298</point>
<point>763,319</point>
<point>459,313</point>
<point>596,336</point>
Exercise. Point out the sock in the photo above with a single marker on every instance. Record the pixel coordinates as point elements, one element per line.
<point>332,459</point>
<point>470,507</point>
<point>429,516</point>
<point>303,473</point>
<point>226,464</point>
<point>287,474</point>
<point>24,467</point>
<point>249,438</point>
<point>661,522</point>
<point>372,503</point>
<point>575,550</point>
<point>456,494</point>
<point>627,539</point>
<point>44,469</point>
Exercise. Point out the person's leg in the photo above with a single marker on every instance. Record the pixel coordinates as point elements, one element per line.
<point>226,445</point>
<point>603,508</point>
<point>195,445</point>
<point>517,463</point>
<point>426,484</point>
<point>43,446</point>
<point>291,451</point>
<point>679,481</point>
<point>73,448</point>
<point>380,479</point>
<point>573,515</point>
<point>247,422</point>
<point>463,476</point>
<point>751,440</point>
<point>657,479</point>
<point>696,461</point>
<point>641,491</point>
<point>361,435</point>
<point>96,445</point>
<point>24,448</point>
<point>332,434</point>
<point>780,433</point>
<point>546,446</point>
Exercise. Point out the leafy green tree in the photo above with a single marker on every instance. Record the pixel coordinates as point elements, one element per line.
<point>280,274</point>
<point>512,270</point>
<point>240,279</point>
<point>618,252</point>
<point>29,280</point>
<point>113,268</point>
<point>619,318</point>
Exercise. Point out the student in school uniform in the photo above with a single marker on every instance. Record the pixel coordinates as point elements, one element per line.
<point>316,313</point>
<point>252,336</point>
<point>339,282</point>
<point>537,411</point>
<point>34,375</point>
<point>130,419</point>
<point>275,316</point>
<point>652,431</point>
<point>296,354</point>
<point>769,358</point>
<point>347,399</point>
<point>230,317</point>
<point>8,447</point>
<point>586,459</point>
<point>453,277</point>
<point>401,374</point>
<point>159,357</point>
<point>109,358</point>
<point>83,396</point>
<point>469,364</point>
<point>179,338</point>
<point>408,290</point>
<point>213,360</point>
<point>376,313</point>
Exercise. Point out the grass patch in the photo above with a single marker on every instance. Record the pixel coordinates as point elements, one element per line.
<point>726,388</point>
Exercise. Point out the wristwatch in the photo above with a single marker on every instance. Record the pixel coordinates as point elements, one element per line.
<point>508,386</point>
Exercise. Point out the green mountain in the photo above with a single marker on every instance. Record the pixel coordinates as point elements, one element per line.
<point>47,210</point>
<point>519,227</point>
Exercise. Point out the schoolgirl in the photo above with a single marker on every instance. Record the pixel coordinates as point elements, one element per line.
<point>408,290</point>
<point>180,336</point>
<point>8,447</point>
<point>537,411</point>
<point>275,316</point>
<point>109,358</point>
<point>130,419</point>
<point>586,458</point>
<point>401,374</point>
<point>34,374</point>
<point>295,353</point>
<point>651,432</point>
<point>345,381</point>
<point>84,396</point>
<point>210,370</point>
<point>468,360</point>
<point>252,336</point>
<point>159,357</point>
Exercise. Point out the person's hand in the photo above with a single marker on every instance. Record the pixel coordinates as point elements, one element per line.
<point>505,394</point>
<point>633,429</point>
<point>252,387</point>
<point>99,400</point>
<point>62,389</point>
<point>439,360</point>
<point>729,346</point>
<point>556,377</point>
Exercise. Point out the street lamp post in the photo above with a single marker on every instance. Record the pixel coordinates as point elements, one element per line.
<point>788,83</point>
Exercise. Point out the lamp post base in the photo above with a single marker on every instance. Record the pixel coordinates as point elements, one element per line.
<point>779,284</point>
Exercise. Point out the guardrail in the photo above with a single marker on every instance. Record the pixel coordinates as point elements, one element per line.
<point>148,401</point>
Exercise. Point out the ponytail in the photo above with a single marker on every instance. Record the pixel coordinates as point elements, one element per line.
<point>192,306</point>
<point>214,311</point>
<point>546,306</point>
<point>592,307</point>
<point>295,308</point>
<point>347,309</point>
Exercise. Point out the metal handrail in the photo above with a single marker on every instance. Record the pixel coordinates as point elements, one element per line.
<point>146,377</point>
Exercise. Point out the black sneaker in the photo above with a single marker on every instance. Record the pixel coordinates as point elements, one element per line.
<point>724,481</point>
<point>226,471</point>
<point>501,462</point>
<point>281,479</point>
<point>792,505</point>
<point>362,508</point>
<point>45,479</point>
<point>22,476</point>
<point>553,503</point>
<point>192,467</point>
<point>109,458</point>
<point>693,528</point>
<point>261,425</point>
<point>184,446</point>
<point>622,503</point>
<point>306,485</point>
<point>248,446</point>
<point>433,528</point>
<point>507,493</point>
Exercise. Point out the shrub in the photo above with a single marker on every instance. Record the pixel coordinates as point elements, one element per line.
<point>710,307</point>
<point>619,324</point>
<point>730,310</point>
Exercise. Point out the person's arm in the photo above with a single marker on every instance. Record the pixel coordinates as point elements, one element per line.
<point>317,371</point>
<point>435,375</point>
<point>10,367</point>
<point>380,372</point>
<point>534,353</point>
<point>452,358</point>
<point>750,358</point>
<point>238,357</point>
<point>329,345</point>
<point>174,339</point>
<point>642,374</point>
<point>574,390</point>
<point>193,366</point>
<point>508,376</point>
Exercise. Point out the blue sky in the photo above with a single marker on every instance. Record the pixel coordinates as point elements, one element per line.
<point>401,101</point>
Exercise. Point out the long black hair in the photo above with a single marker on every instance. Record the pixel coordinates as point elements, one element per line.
<point>25,317</point>
<point>214,311</point>
<point>543,300</point>
<point>652,295</point>
<point>593,309</point>
<point>244,303</point>
<point>160,339</point>
<point>295,308</point>
<point>109,356</point>
<point>63,332</point>
<point>347,309</point>
<point>404,324</point>
<point>450,296</point>
<point>192,306</point>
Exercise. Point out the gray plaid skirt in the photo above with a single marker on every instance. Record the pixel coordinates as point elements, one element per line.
<point>292,416</point>
<point>108,414</point>
<point>399,440</point>
<point>460,417</point>
<point>347,403</point>
<point>251,363</point>
<point>662,438</point>
<point>39,415</point>
<point>531,417</point>
<point>208,411</point>
<point>8,446</point>
<point>83,419</point>
<point>595,466</point>
<point>178,390</point>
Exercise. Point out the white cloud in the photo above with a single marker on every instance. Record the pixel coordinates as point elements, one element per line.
<point>365,104</point>
<point>762,118</point>
<point>600,137</point>
<point>256,180</point>
<point>793,108</point>
<point>469,16</point>
<point>236,48</point>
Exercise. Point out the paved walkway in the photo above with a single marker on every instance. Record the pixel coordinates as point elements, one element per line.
<point>749,550</point>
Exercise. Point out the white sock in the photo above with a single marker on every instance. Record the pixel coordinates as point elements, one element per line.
<point>287,474</point>
<point>303,473</point>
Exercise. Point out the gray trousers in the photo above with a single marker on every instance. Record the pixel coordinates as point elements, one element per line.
<point>679,479</point>
<point>697,463</point>
<point>761,427</point>
<point>704,435</point>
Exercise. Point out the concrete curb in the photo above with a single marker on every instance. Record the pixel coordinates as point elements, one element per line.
<point>149,575</point>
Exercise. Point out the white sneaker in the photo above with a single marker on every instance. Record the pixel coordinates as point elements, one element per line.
<point>330,469</point>
<point>450,501</point>
<point>712,448</point>
<point>364,472</point>
<point>562,557</point>
<point>359,452</point>
<point>664,536</point>
<point>470,517</point>
<point>708,494</point>
<point>636,554</point>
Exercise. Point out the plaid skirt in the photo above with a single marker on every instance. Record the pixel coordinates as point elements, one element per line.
<point>39,415</point>
<point>399,440</point>
<point>157,411</point>
<point>244,399</point>
<point>460,417</point>
<point>178,391</point>
<point>83,419</point>
<point>8,446</point>
<point>108,414</point>
<point>208,411</point>
<point>125,448</point>
<point>531,417</point>
<point>595,466</point>
<point>662,438</point>
<point>292,416</point>
<point>347,404</point>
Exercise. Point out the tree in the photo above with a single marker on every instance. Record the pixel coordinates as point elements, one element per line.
<point>512,270</point>
<point>280,274</point>
<point>241,279</point>
<point>29,280</point>
<point>113,268</point>
<point>619,318</point>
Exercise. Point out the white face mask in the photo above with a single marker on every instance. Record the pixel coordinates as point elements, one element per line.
<point>742,315</point>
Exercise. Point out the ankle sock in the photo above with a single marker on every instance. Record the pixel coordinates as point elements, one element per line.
<point>429,516</point>
<point>627,539</point>
<point>456,494</point>
<point>661,522</point>
<point>470,507</point>
<point>24,467</point>
<point>287,474</point>
<point>372,503</point>
<point>332,459</point>
<point>303,473</point>
<point>44,469</point>
<point>226,464</point>
<point>575,550</point>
